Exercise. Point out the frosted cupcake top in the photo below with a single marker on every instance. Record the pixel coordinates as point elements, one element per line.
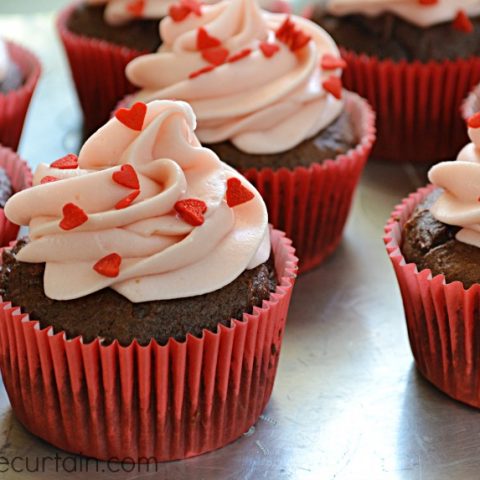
<point>4,60</point>
<point>459,204</point>
<point>423,13</point>
<point>264,81</point>
<point>144,209</point>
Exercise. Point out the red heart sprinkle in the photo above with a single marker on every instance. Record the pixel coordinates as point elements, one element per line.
<point>462,23</point>
<point>48,179</point>
<point>329,62</point>
<point>128,200</point>
<point>73,217</point>
<point>203,70</point>
<point>191,210</point>
<point>132,117</point>
<point>178,13</point>
<point>204,40</point>
<point>333,85</point>
<point>269,49</point>
<point>69,161</point>
<point>127,177</point>
<point>285,31</point>
<point>300,39</point>
<point>237,193</point>
<point>474,121</point>
<point>136,7</point>
<point>239,55</point>
<point>216,56</point>
<point>194,6</point>
<point>109,266</point>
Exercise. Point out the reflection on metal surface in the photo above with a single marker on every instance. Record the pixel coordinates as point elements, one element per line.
<point>348,404</point>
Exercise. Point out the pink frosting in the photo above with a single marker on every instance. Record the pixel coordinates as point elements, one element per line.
<point>411,10</point>
<point>262,104</point>
<point>459,205</point>
<point>163,256</point>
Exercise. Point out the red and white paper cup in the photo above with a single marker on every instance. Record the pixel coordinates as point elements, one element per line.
<point>147,403</point>
<point>98,71</point>
<point>442,318</point>
<point>20,177</point>
<point>417,104</point>
<point>14,104</point>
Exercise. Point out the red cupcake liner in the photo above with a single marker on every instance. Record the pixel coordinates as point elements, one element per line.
<point>98,71</point>
<point>442,318</point>
<point>417,104</point>
<point>311,205</point>
<point>20,176</point>
<point>159,402</point>
<point>14,104</point>
<point>471,104</point>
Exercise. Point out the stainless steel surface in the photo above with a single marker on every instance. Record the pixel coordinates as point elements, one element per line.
<point>348,403</point>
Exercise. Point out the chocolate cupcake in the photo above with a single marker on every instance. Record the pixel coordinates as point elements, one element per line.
<point>268,97</point>
<point>414,62</point>
<point>164,247</point>
<point>433,241</point>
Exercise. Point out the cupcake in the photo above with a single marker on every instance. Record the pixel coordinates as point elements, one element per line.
<point>19,73</point>
<point>268,97</point>
<point>153,295</point>
<point>100,38</point>
<point>414,61</point>
<point>433,241</point>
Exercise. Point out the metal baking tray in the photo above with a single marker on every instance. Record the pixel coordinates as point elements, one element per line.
<point>348,403</point>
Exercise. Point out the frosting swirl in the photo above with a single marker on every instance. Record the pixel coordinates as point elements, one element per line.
<point>459,204</point>
<point>252,77</point>
<point>153,214</point>
<point>414,11</point>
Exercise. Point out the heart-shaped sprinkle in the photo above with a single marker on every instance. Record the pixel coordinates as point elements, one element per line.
<point>333,85</point>
<point>132,117</point>
<point>474,121</point>
<point>291,36</point>
<point>299,40</point>
<point>203,70</point>
<point>48,179</point>
<point>269,49</point>
<point>215,56</point>
<point>109,266</point>
<point>330,62</point>
<point>191,210</point>
<point>194,6</point>
<point>178,13</point>
<point>136,7</point>
<point>73,216</point>
<point>127,177</point>
<point>285,32</point>
<point>237,193</point>
<point>462,23</point>
<point>204,40</point>
<point>128,200</point>
<point>69,161</point>
<point>239,55</point>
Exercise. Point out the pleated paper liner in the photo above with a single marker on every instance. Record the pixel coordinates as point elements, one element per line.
<point>159,402</point>
<point>471,105</point>
<point>14,104</point>
<point>417,104</point>
<point>98,71</point>
<point>443,319</point>
<point>20,177</point>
